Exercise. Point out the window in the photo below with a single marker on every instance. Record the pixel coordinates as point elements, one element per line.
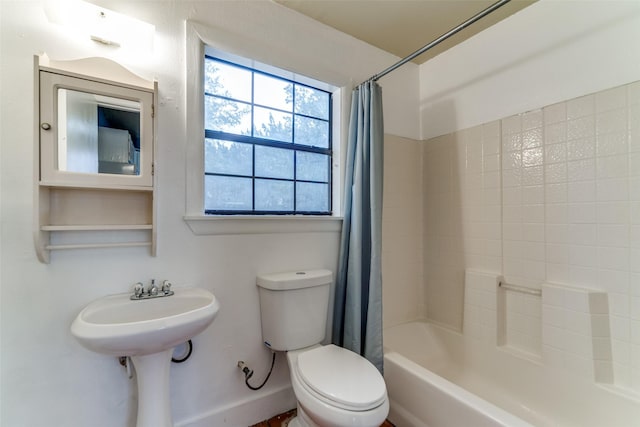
<point>267,143</point>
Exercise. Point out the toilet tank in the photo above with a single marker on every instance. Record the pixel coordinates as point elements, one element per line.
<point>293,308</point>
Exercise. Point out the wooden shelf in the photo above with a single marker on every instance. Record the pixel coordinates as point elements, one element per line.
<point>71,209</point>
<point>96,227</point>
<point>75,185</point>
<point>98,245</point>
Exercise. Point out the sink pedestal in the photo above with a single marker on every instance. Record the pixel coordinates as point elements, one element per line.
<point>152,374</point>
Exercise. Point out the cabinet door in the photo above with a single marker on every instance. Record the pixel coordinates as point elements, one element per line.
<point>94,134</point>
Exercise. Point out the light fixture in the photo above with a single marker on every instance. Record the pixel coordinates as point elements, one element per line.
<point>101,25</point>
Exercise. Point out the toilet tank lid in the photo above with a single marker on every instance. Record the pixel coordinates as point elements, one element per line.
<point>294,279</point>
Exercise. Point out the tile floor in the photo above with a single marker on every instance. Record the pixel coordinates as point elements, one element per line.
<point>282,420</point>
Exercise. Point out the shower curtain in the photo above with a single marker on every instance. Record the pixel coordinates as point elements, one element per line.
<point>357,318</point>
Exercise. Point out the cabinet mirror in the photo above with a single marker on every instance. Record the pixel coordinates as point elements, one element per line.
<point>98,134</point>
<point>94,133</point>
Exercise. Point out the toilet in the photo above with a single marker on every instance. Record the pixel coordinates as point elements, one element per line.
<point>334,387</point>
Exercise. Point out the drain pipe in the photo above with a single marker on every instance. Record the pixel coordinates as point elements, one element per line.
<point>125,361</point>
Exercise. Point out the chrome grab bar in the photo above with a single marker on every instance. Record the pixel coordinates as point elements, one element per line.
<point>521,289</point>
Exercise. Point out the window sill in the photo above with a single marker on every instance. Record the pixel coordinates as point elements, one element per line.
<point>220,225</point>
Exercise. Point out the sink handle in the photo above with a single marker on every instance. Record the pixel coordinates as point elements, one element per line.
<point>166,287</point>
<point>138,289</point>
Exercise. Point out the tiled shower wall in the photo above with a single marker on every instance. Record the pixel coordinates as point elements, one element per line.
<point>402,231</point>
<point>462,210</point>
<point>551,195</point>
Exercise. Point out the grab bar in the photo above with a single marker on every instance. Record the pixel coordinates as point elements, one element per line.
<point>521,289</point>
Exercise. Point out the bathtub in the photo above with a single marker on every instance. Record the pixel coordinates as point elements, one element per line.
<point>439,378</point>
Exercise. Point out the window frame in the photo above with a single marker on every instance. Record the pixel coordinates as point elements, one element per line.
<point>201,38</point>
<point>256,141</point>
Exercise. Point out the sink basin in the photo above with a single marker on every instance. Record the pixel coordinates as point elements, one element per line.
<point>146,331</point>
<point>115,325</point>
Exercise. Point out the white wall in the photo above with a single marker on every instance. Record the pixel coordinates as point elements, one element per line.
<point>47,378</point>
<point>551,51</point>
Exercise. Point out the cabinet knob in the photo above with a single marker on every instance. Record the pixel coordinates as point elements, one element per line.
<point>45,126</point>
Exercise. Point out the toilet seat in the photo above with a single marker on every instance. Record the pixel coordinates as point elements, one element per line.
<point>341,378</point>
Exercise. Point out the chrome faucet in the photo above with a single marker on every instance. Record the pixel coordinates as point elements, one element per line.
<point>152,291</point>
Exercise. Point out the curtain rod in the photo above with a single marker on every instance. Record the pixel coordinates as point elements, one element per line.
<point>440,39</point>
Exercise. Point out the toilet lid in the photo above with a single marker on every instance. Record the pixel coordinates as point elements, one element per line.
<point>343,377</point>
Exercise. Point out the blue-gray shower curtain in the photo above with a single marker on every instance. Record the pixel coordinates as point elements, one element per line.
<point>357,314</point>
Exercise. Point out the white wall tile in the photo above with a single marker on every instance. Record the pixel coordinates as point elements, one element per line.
<point>532,139</point>
<point>551,195</point>
<point>557,273</point>
<point>555,173</point>
<point>611,121</point>
<point>582,191</point>
<point>613,212</point>
<point>583,276</point>
<point>554,152</point>
<point>613,167</point>
<point>581,148</point>
<point>583,234</point>
<point>633,93</point>
<point>600,325</point>
<point>582,170</point>
<point>582,255</point>
<point>511,125</point>
<point>613,189</point>
<point>580,107</point>
<point>583,127</point>
<point>555,113</point>
<point>614,281</point>
<point>532,194</point>
<point>634,332</point>
<point>558,193</point>
<point>613,235</point>
<point>557,233</point>
<point>532,175</point>
<point>613,143</point>
<point>611,99</point>
<point>581,213</point>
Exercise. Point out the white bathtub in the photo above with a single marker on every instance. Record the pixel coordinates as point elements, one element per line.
<point>438,378</point>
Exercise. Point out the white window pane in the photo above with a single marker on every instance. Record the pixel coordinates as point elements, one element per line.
<point>273,92</point>
<point>227,193</point>
<point>274,195</point>
<point>227,116</point>
<point>312,166</point>
<point>274,162</point>
<point>271,124</point>
<point>312,102</point>
<point>312,132</point>
<point>228,157</point>
<point>226,80</point>
<point>312,197</point>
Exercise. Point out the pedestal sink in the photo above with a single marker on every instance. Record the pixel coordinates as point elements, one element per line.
<point>147,331</point>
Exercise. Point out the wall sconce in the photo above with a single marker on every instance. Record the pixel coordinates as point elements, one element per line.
<point>101,25</point>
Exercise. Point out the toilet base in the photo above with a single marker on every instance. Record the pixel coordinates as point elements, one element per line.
<point>301,419</point>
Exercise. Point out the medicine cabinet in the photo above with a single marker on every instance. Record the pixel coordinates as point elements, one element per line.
<point>94,157</point>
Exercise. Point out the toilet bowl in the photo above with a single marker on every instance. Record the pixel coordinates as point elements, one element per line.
<point>334,387</point>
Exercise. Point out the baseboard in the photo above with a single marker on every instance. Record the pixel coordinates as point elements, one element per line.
<point>246,412</point>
